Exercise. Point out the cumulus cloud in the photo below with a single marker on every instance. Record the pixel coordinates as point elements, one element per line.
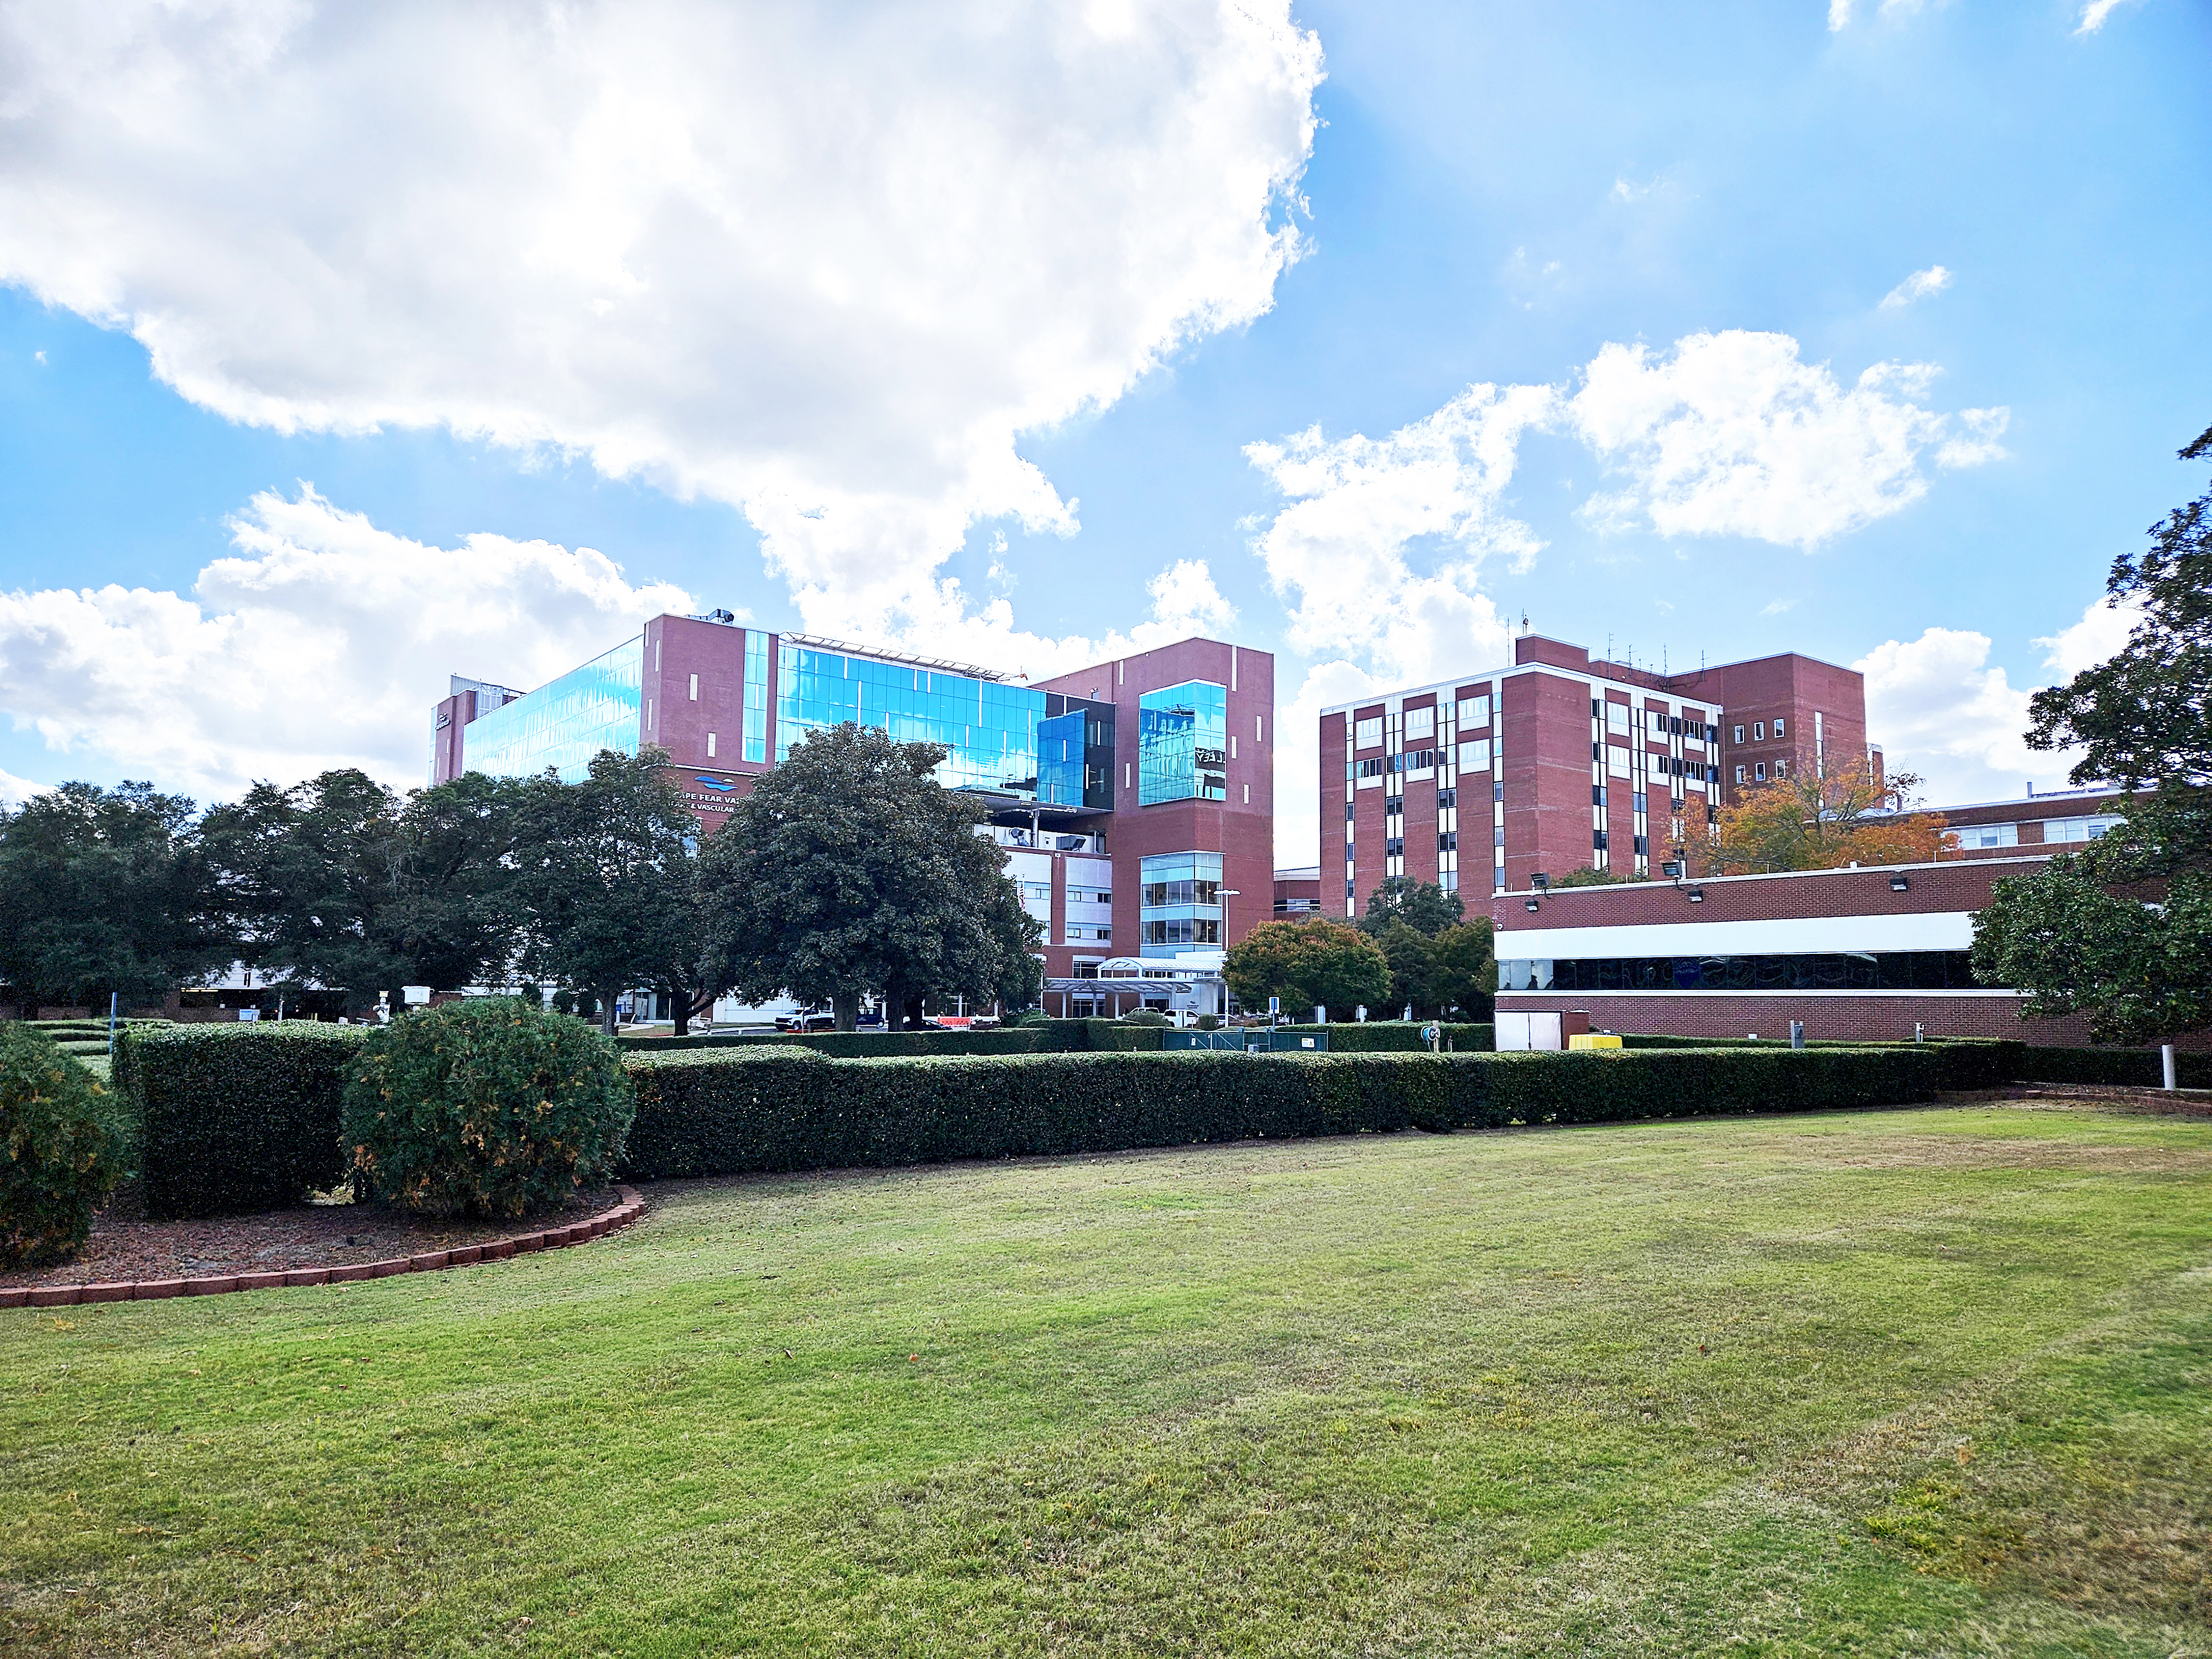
<point>1917,286</point>
<point>1839,13</point>
<point>15,790</point>
<point>825,263</point>
<point>2094,14</point>
<point>323,642</point>
<point>1377,557</point>
<point>1938,709</point>
<point>2101,634</point>
<point>1734,433</point>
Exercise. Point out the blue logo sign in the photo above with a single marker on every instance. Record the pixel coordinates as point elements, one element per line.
<point>715,783</point>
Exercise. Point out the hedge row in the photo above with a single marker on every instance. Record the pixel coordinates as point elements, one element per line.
<point>235,1118</point>
<point>2140,1068</point>
<point>1048,1036</point>
<point>722,1114</point>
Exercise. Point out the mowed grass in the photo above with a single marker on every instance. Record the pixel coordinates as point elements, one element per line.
<point>1906,1382</point>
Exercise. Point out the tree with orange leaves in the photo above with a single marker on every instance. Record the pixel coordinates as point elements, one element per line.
<point>1823,819</point>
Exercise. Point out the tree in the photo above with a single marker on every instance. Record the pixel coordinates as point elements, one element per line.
<point>607,873</point>
<point>1308,964</point>
<point>2144,717</point>
<point>1590,875</point>
<point>850,870</point>
<point>339,882</point>
<point>1823,819</point>
<point>2122,931</point>
<point>1466,969</point>
<point>1423,906</point>
<point>105,892</point>
<point>1412,959</point>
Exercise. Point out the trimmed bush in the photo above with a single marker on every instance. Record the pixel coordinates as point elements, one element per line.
<point>1395,1037</point>
<point>719,1114</point>
<point>235,1118</point>
<point>867,1045</point>
<point>61,1150</point>
<point>2133,1068</point>
<point>485,1108</point>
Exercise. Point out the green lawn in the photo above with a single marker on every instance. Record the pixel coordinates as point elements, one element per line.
<point>1908,1383</point>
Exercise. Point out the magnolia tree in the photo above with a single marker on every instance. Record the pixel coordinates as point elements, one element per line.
<point>2121,933</point>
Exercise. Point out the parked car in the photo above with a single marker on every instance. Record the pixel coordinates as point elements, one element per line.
<point>813,1020</point>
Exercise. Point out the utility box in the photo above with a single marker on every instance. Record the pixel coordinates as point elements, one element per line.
<point>1594,1040</point>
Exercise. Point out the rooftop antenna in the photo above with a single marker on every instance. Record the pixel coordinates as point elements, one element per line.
<point>1524,622</point>
<point>1663,662</point>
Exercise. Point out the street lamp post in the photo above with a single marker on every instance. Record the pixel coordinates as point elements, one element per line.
<point>1224,894</point>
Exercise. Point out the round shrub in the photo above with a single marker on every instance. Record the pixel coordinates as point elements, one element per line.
<point>62,1149</point>
<point>486,1107</point>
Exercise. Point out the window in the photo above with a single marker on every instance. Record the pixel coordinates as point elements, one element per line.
<point>1616,761</point>
<point>1447,841</point>
<point>710,745</point>
<point>1421,723</point>
<point>1657,722</point>
<point>695,688</point>
<point>1616,717</point>
<point>1447,798</point>
<point>1498,790</point>
<point>1182,744</point>
<point>1497,836</point>
<point>1739,736</point>
<point>756,704</point>
<point>1781,768</point>
<point>1880,970</point>
<point>1248,794</point>
<point>1778,724</point>
<point>1367,733</point>
<point>1636,803</point>
<point>1474,756</point>
<point>1738,775</point>
<point>1393,846</point>
<point>1758,731</point>
<point>1597,841</point>
<point>1643,845</point>
<point>1259,728</point>
<point>1987,834</point>
<point>1597,794</point>
<point>1474,711</point>
<point>1759,771</point>
<point>1349,810</point>
<point>2076,829</point>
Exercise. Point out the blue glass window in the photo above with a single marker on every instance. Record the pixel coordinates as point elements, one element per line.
<point>1182,743</point>
<point>564,722</point>
<point>991,728</point>
<point>756,747</point>
<point>1179,905</point>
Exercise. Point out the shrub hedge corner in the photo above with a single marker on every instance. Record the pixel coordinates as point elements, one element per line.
<point>236,1118</point>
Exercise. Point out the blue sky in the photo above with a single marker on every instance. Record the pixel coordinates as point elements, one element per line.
<point>1494,194</point>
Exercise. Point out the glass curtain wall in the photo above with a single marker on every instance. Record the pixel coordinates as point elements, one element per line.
<point>1180,908</point>
<point>1870,971</point>
<point>1182,743</point>
<point>990,728</point>
<point>756,741</point>
<point>564,722</point>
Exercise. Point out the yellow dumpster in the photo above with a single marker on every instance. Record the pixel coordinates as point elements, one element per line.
<point>1594,1040</point>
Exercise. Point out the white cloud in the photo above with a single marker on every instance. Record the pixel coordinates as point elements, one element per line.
<point>1937,708</point>
<point>323,642</point>
<point>2094,14</point>
<point>1917,286</point>
<point>1342,554</point>
<point>1839,13</point>
<point>1776,607</point>
<point>1339,553</point>
<point>1733,433</point>
<point>823,263</point>
<point>2101,634</point>
<point>15,790</point>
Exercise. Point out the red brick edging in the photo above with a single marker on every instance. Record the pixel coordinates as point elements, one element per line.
<point>497,1249</point>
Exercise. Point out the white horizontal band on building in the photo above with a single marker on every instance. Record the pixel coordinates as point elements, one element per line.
<point>1940,929</point>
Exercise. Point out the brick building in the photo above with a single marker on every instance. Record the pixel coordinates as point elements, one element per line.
<point>1864,952</point>
<point>1134,798</point>
<point>1560,762</point>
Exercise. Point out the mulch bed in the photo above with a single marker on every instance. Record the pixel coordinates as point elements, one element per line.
<point>125,1247</point>
<point>2106,1097</point>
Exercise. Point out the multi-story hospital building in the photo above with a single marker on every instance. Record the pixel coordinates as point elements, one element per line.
<point>1135,798</point>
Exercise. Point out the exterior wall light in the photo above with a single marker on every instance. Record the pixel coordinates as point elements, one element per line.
<point>1695,895</point>
<point>1900,883</point>
<point>1529,904</point>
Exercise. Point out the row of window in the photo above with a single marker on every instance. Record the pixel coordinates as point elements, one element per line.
<point>1759,730</point>
<point>1420,722</point>
<point>1870,971</point>
<point>1618,718</point>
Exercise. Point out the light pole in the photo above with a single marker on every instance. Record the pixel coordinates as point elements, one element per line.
<point>1224,894</point>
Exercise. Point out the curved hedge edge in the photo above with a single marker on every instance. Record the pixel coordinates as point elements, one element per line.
<point>496,1249</point>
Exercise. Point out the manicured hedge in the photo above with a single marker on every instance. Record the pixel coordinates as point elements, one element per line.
<point>235,1118</point>
<point>727,1113</point>
<point>2139,1068</point>
<point>857,1045</point>
<point>1396,1037</point>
